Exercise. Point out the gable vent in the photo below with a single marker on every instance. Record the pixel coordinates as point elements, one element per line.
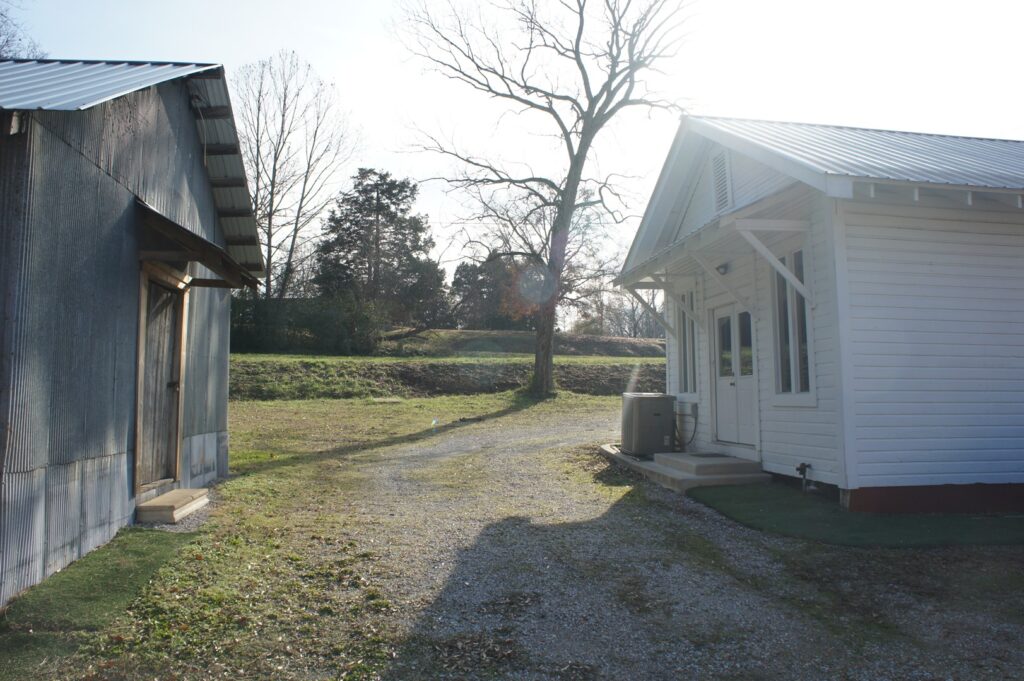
<point>721,184</point>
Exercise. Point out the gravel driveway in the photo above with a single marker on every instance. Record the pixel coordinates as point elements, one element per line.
<point>510,550</point>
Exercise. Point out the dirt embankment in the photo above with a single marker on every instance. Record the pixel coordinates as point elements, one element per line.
<point>449,342</point>
<point>267,380</point>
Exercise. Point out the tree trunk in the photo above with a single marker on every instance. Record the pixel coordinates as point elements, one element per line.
<point>543,382</point>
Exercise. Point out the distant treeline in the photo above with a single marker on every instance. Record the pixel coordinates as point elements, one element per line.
<point>370,271</point>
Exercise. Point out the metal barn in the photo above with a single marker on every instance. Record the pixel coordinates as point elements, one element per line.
<point>125,219</point>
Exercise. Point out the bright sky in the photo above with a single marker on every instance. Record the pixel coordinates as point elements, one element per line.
<point>934,66</point>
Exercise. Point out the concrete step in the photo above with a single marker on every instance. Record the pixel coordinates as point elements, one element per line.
<point>707,464</point>
<point>172,506</point>
<point>675,479</point>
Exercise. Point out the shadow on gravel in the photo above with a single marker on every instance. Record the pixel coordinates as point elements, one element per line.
<point>561,601</point>
<point>652,589</point>
<point>521,403</point>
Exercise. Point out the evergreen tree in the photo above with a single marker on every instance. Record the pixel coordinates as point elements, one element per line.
<point>376,249</point>
<point>486,296</point>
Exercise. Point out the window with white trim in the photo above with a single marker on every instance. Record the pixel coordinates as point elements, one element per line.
<point>687,347</point>
<point>792,348</point>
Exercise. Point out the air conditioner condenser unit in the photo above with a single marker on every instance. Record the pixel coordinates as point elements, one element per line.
<point>647,423</point>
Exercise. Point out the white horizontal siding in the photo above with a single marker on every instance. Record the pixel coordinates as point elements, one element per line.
<point>787,436</point>
<point>794,435</point>
<point>936,311</point>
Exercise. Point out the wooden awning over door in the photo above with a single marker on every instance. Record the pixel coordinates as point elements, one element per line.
<point>179,245</point>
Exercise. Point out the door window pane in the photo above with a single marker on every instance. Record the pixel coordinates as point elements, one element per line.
<point>725,346</point>
<point>746,345</point>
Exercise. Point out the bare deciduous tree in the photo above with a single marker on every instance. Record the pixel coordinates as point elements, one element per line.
<point>295,142</point>
<point>514,225</point>
<point>577,64</point>
<point>14,42</point>
<point>625,316</point>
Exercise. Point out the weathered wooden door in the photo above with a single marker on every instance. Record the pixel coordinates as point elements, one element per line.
<point>158,428</point>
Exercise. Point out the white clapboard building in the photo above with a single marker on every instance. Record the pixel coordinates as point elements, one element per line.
<point>847,298</point>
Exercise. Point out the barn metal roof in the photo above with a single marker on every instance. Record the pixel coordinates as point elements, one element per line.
<point>75,85</point>
<point>862,153</point>
<point>64,85</point>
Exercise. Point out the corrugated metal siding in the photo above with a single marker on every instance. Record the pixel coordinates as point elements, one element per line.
<point>67,481</point>
<point>206,390</point>
<point>66,85</point>
<point>886,154</point>
<point>937,333</point>
<point>17,534</point>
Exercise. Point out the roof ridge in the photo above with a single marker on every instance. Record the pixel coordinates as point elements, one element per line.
<point>855,127</point>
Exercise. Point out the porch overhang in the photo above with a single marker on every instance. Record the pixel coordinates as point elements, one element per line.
<point>184,246</point>
<point>708,252</point>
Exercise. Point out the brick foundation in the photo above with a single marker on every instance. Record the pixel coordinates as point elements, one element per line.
<point>978,498</point>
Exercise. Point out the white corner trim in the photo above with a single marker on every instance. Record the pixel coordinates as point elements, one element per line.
<point>847,399</point>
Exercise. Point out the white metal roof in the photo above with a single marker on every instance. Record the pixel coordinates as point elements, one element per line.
<point>75,85</point>
<point>863,153</point>
<point>59,85</point>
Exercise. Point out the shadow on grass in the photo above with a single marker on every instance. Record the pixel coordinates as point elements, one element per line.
<point>785,510</point>
<point>51,619</point>
<point>522,401</point>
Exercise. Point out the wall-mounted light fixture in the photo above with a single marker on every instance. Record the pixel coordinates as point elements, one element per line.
<point>723,269</point>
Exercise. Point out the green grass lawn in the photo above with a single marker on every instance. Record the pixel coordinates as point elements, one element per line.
<point>785,510</point>
<point>258,586</point>
<point>52,619</point>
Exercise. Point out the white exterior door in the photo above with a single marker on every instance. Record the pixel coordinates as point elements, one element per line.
<point>735,384</point>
